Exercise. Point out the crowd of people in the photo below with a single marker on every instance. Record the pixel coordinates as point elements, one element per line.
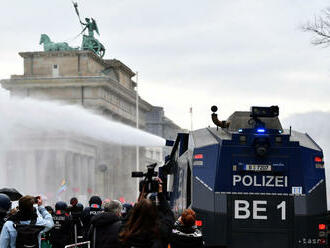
<point>150,223</point>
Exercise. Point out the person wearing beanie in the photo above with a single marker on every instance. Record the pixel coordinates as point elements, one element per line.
<point>94,208</point>
<point>185,233</point>
<point>106,225</point>
<point>26,215</point>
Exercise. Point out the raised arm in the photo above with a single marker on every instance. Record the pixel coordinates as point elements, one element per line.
<point>46,219</point>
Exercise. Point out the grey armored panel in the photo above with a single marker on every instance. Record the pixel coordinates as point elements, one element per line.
<point>303,139</point>
<point>240,119</point>
<point>208,136</point>
<point>203,137</point>
<point>310,204</point>
<point>203,197</point>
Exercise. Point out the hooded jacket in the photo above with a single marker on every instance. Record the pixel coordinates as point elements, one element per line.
<point>104,230</point>
<point>183,236</point>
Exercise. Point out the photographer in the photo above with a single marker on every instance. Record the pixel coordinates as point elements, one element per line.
<point>149,225</point>
<point>25,227</point>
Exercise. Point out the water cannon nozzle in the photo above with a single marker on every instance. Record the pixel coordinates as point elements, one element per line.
<point>216,121</point>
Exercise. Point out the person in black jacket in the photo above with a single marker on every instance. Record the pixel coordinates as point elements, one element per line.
<point>149,225</point>
<point>95,204</point>
<point>105,226</point>
<point>60,235</point>
<point>185,233</point>
<point>75,211</point>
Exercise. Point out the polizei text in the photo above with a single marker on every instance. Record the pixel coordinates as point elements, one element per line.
<point>260,181</point>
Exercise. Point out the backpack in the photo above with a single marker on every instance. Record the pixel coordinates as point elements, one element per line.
<point>27,235</point>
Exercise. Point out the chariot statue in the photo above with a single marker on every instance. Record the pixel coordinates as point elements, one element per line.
<point>89,42</point>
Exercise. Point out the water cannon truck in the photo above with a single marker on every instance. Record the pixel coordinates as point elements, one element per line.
<point>251,182</point>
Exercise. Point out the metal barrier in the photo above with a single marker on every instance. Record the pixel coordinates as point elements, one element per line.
<point>88,243</point>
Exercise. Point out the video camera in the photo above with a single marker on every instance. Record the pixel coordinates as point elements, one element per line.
<point>268,112</point>
<point>149,184</point>
<point>262,112</point>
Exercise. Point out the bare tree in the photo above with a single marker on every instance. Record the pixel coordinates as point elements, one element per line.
<point>320,27</point>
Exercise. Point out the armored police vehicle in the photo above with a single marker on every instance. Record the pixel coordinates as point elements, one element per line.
<point>251,183</point>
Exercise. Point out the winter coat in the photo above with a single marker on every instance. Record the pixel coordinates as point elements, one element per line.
<point>105,229</point>
<point>8,233</point>
<point>77,225</point>
<point>60,235</point>
<point>183,236</point>
<point>86,217</point>
<point>166,221</point>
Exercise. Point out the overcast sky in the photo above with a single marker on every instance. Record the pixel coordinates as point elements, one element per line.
<point>233,53</point>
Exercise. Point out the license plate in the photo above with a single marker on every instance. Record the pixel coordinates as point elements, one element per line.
<point>258,167</point>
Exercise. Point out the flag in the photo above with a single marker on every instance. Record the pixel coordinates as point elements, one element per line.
<point>62,187</point>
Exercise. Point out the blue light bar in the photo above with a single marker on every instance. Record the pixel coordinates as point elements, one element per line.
<point>261,130</point>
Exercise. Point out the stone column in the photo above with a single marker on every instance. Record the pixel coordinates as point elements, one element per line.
<point>3,168</point>
<point>41,170</point>
<point>52,181</point>
<point>77,173</point>
<point>127,187</point>
<point>91,176</point>
<point>69,172</point>
<point>31,175</point>
<point>84,175</point>
<point>60,172</point>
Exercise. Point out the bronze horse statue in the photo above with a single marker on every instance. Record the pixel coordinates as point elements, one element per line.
<point>52,46</point>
